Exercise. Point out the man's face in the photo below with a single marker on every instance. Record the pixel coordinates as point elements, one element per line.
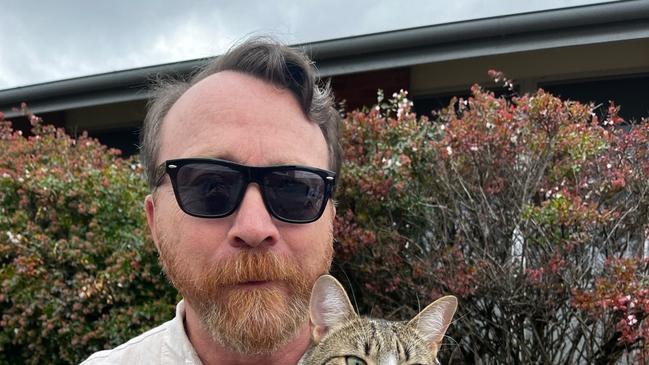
<point>248,275</point>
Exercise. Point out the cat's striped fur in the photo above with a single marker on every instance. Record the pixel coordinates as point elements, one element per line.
<point>341,337</point>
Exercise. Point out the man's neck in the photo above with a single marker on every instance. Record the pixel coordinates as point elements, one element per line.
<point>213,353</point>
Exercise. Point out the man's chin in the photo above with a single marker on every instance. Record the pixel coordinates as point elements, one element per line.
<point>254,318</point>
<point>276,293</point>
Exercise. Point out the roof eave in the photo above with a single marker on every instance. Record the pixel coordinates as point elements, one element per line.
<point>591,24</point>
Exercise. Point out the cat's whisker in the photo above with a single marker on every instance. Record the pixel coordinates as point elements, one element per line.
<point>351,289</point>
<point>454,342</point>
<point>459,318</point>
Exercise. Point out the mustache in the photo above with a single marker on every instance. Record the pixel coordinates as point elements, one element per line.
<point>250,266</point>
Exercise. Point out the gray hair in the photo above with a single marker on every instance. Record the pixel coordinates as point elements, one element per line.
<point>265,59</point>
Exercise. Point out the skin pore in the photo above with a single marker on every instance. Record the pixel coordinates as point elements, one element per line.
<point>239,118</point>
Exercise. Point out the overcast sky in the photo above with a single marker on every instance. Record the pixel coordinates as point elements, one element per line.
<point>43,41</point>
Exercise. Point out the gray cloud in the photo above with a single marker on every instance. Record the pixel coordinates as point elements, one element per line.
<point>49,40</point>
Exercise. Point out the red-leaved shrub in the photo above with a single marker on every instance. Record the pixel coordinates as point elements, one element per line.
<point>78,270</point>
<point>533,210</point>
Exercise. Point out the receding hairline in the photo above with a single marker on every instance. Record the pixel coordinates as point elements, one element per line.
<point>234,77</point>
<point>264,58</point>
<point>213,86</point>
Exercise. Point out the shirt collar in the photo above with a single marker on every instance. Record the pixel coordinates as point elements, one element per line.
<point>176,348</point>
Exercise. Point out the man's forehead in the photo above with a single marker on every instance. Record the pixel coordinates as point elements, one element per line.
<point>229,84</point>
<point>237,117</point>
<point>229,92</point>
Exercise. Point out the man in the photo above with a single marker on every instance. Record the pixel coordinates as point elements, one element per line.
<point>241,161</point>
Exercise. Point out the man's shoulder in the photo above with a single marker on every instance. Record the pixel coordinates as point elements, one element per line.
<point>165,344</point>
<point>143,349</point>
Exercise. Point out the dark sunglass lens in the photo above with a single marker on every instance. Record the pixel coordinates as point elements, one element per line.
<point>295,195</point>
<point>208,189</point>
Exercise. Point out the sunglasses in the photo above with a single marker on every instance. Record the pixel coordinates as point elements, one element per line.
<point>212,188</point>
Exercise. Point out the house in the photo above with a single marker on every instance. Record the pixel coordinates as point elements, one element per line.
<point>596,53</point>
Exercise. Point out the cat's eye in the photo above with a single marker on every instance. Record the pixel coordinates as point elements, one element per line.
<point>353,360</point>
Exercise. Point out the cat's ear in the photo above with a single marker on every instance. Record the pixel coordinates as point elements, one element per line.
<point>329,306</point>
<point>433,321</point>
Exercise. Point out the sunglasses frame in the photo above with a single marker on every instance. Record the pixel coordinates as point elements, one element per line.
<point>250,174</point>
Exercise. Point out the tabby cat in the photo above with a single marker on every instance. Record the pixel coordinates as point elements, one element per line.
<point>341,337</point>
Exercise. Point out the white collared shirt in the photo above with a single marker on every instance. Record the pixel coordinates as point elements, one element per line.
<point>166,344</point>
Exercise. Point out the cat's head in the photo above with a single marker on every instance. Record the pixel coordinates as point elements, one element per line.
<point>341,337</point>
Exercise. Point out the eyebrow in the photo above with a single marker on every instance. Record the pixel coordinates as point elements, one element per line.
<point>220,156</point>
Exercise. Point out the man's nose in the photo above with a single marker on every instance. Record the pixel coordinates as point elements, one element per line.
<point>253,226</point>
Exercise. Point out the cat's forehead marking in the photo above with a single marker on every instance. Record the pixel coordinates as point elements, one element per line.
<point>388,359</point>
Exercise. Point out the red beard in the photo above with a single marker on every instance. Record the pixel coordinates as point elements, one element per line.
<point>251,303</point>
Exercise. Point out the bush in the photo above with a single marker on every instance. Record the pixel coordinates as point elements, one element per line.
<point>78,270</point>
<point>531,209</point>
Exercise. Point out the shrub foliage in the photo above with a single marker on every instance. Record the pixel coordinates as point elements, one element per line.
<point>77,270</point>
<point>532,210</point>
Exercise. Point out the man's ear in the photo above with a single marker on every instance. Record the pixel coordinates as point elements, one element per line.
<point>329,306</point>
<point>149,208</point>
